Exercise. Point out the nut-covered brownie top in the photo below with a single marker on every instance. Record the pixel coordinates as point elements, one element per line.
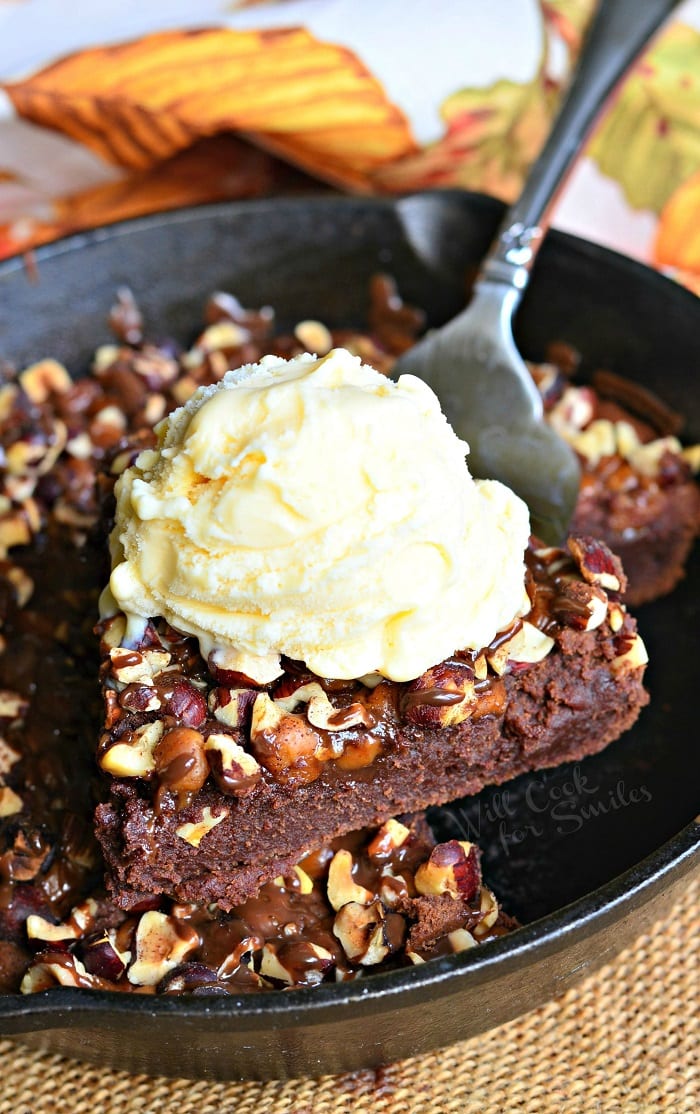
<point>382,897</point>
<point>625,437</point>
<point>177,720</point>
<point>180,718</point>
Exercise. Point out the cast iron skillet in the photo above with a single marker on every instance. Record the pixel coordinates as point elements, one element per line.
<point>585,856</point>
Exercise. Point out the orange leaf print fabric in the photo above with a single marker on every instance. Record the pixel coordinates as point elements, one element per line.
<point>140,102</point>
<point>677,243</point>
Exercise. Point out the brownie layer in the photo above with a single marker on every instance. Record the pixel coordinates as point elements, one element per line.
<point>57,927</point>
<point>654,554</point>
<point>569,705</point>
<point>638,492</point>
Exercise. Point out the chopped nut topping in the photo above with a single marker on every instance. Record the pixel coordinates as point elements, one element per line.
<point>195,833</point>
<point>344,908</point>
<point>235,771</point>
<point>647,458</point>
<point>314,337</point>
<point>342,888</point>
<point>13,707</point>
<point>284,743</point>
<point>160,946</point>
<point>444,696</point>
<point>526,644</point>
<point>365,932</point>
<point>43,379</point>
<point>8,757</point>
<point>691,456</point>
<point>633,656</point>
<point>389,837</point>
<point>453,868</point>
<point>597,563</point>
<point>130,666</point>
<point>10,802</point>
<point>134,758</point>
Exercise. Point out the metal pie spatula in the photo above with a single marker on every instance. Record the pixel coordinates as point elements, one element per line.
<point>472,363</point>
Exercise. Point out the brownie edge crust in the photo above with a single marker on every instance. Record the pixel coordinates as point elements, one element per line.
<point>582,695</point>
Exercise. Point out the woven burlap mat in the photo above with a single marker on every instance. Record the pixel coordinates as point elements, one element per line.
<point>625,1041</point>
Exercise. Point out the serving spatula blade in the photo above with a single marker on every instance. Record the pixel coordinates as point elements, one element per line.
<point>472,363</point>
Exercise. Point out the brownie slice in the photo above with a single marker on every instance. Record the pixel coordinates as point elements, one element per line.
<point>638,492</point>
<point>374,900</point>
<point>218,785</point>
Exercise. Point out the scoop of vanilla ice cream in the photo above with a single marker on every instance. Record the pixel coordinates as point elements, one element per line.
<point>314,508</point>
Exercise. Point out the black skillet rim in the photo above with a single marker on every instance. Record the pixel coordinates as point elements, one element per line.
<point>631,889</point>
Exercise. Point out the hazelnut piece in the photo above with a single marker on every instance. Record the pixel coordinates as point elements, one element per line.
<point>392,835</point>
<point>647,458</point>
<point>341,887</point>
<point>579,605</point>
<point>489,912</point>
<point>133,758</point>
<point>284,743</point>
<point>367,933</point>
<point>453,868</point>
<point>10,802</point>
<point>232,706</point>
<point>161,945</point>
<point>44,378</point>
<point>235,771</point>
<point>314,336</point>
<point>573,411</point>
<point>195,833</point>
<point>180,760</point>
<point>597,564</point>
<point>442,697</point>
<point>526,644</point>
<point>634,655</point>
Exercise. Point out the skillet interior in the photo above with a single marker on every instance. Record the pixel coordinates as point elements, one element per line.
<point>586,849</point>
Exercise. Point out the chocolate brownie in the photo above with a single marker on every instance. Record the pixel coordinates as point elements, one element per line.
<point>219,785</point>
<point>376,899</point>
<point>57,926</point>
<point>55,434</point>
<point>638,492</point>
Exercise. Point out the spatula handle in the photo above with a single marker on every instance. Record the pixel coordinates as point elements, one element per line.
<point>620,30</point>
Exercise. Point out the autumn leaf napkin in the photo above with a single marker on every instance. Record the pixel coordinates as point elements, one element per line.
<point>113,109</point>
